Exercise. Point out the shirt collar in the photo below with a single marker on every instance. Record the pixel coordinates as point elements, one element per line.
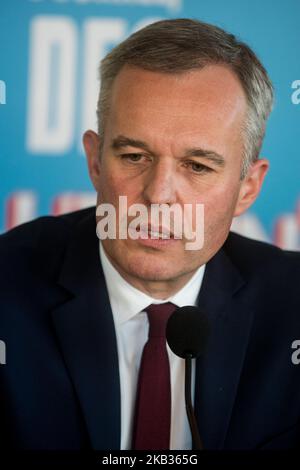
<point>127,301</point>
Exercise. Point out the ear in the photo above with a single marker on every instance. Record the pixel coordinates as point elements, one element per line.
<point>91,143</point>
<point>251,185</point>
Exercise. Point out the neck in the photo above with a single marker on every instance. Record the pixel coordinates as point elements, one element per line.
<point>157,289</point>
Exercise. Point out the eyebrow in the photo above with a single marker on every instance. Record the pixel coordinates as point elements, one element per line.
<point>122,141</point>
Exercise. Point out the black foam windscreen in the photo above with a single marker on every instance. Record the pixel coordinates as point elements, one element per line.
<point>187,331</point>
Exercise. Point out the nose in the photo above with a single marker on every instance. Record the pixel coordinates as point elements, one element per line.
<point>160,184</point>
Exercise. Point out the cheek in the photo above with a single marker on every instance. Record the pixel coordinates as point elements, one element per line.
<point>113,185</point>
<point>221,201</point>
<point>219,204</point>
<point>110,183</point>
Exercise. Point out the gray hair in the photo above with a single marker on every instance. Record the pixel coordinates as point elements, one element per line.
<point>180,45</point>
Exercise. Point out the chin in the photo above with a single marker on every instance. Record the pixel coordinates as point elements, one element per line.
<point>149,270</point>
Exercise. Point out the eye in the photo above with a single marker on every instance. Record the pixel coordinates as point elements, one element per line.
<point>132,157</point>
<point>199,167</point>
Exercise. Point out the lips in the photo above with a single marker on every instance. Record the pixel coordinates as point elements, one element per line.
<point>156,231</point>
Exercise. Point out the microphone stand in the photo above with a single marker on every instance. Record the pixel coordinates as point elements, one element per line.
<point>197,442</point>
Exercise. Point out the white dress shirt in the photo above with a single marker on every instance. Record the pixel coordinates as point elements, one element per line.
<point>131,323</point>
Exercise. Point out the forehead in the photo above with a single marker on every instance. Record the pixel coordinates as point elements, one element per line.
<point>207,99</point>
<point>214,83</point>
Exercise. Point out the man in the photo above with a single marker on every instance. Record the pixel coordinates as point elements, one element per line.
<point>182,113</point>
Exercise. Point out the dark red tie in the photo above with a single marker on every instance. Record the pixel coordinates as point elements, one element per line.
<point>153,403</point>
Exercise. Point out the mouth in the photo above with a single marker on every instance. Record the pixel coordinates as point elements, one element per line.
<point>156,232</point>
<point>157,238</point>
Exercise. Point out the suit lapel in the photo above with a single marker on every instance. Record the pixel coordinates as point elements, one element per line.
<point>85,329</point>
<point>218,372</point>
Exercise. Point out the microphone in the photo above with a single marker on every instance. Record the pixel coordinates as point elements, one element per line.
<point>187,334</point>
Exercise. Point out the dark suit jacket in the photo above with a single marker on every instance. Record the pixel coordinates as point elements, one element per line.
<point>60,386</point>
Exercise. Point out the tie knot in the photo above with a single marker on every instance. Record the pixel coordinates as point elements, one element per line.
<point>158,315</point>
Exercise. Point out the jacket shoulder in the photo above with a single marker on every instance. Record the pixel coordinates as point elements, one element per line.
<point>29,233</point>
<point>39,243</point>
<point>253,256</point>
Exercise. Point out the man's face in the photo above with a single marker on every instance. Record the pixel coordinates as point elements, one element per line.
<point>172,139</point>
